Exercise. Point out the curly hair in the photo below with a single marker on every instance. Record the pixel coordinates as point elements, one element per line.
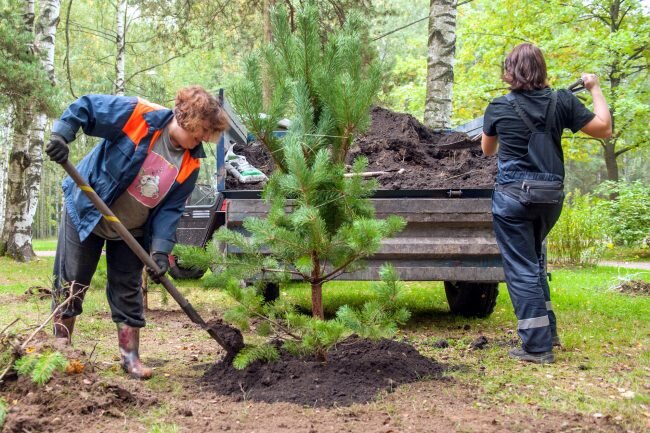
<point>525,68</point>
<point>197,110</point>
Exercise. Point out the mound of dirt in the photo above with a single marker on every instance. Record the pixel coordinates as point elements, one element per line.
<point>634,287</point>
<point>355,372</point>
<point>398,140</point>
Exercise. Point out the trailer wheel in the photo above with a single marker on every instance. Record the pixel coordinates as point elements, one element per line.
<point>271,291</point>
<point>470,298</point>
<point>179,272</point>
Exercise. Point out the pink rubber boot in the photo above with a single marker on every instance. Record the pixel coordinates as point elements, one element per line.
<point>129,342</point>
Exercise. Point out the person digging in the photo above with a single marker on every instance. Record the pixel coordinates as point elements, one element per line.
<point>144,168</point>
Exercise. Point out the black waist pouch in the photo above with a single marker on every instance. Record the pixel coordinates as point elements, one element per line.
<point>529,192</point>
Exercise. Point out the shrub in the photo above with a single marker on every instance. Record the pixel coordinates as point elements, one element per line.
<point>628,213</point>
<point>578,237</point>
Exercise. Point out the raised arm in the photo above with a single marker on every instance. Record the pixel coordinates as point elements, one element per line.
<point>601,125</point>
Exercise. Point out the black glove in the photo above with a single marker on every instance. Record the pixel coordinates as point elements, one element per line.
<point>162,260</point>
<point>57,149</point>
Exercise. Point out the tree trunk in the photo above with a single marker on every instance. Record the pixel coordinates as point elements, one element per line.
<point>16,239</point>
<point>26,158</point>
<point>267,33</point>
<point>609,153</point>
<point>317,301</point>
<point>120,42</point>
<point>440,63</point>
<point>5,134</point>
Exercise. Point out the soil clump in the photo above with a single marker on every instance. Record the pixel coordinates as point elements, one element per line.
<point>231,336</point>
<point>398,140</point>
<point>634,287</point>
<point>355,372</point>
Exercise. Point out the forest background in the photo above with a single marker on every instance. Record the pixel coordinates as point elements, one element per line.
<point>151,48</point>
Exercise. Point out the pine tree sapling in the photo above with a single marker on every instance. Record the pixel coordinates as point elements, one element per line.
<point>320,223</point>
<point>41,366</point>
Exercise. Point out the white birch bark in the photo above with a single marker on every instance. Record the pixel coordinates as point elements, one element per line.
<point>440,63</point>
<point>5,134</point>
<point>120,42</point>
<point>26,159</point>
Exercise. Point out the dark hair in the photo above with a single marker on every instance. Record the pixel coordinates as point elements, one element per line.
<point>525,68</point>
<point>197,109</point>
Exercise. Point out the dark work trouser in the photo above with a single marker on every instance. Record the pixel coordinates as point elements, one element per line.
<point>520,231</point>
<point>75,264</point>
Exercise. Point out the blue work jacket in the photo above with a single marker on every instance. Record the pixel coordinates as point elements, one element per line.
<point>129,127</point>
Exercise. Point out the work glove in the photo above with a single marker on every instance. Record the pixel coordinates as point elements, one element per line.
<point>57,149</point>
<point>162,260</point>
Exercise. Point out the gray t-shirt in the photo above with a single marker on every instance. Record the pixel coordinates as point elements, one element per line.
<point>148,189</point>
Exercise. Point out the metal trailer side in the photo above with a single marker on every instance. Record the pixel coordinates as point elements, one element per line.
<point>448,237</point>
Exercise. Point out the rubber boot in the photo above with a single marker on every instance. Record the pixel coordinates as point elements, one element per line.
<point>63,327</point>
<point>129,342</point>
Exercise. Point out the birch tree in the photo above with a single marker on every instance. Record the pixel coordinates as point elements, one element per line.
<point>28,130</point>
<point>440,63</point>
<point>120,45</point>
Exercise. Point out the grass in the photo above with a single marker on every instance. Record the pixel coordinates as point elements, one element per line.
<point>48,244</point>
<point>603,367</point>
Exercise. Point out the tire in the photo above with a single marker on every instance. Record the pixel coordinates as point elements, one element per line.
<point>471,299</point>
<point>271,292</point>
<point>180,273</point>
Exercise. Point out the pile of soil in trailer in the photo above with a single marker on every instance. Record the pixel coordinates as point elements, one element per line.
<point>355,372</point>
<point>395,141</point>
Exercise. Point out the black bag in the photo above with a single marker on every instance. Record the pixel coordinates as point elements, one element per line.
<point>529,192</point>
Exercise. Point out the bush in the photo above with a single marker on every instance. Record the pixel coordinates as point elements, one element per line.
<point>578,237</point>
<point>628,213</point>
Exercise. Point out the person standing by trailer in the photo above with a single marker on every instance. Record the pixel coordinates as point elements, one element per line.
<point>525,129</point>
<point>144,169</point>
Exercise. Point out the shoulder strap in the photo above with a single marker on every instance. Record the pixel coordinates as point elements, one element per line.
<point>520,111</point>
<point>550,114</point>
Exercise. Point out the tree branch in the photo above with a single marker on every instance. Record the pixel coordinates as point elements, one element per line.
<point>66,60</point>
<point>625,149</point>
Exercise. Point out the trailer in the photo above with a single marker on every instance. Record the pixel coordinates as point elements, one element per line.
<point>448,235</point>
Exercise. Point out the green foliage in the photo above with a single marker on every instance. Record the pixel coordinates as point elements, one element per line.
<point>324,87</point>
<point>250,354</point>
<point>379,318</point>
<point>41,366</point>
<point>628,213</point>
<point>23,81</point>
<point>320,223</point>
<point>3,412</point>
<point>578,236</point>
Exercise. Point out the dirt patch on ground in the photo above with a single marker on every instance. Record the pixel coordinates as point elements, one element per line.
<point>395,141</point>
<point>634,287</point>
<point>356,371</point>
<point>77,400</point>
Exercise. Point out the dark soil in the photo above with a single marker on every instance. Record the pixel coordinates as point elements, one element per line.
<point>395,141</point>
<point>634,287</point>
<point>355,372</point>
<point>231,337</point>
<point>77,400</point>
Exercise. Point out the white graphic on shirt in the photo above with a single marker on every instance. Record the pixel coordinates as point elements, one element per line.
<point>148,186</point>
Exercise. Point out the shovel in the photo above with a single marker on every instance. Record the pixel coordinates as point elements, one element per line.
<point>229,338</point>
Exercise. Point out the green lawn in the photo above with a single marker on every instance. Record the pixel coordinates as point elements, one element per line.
<point>44,244</point>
